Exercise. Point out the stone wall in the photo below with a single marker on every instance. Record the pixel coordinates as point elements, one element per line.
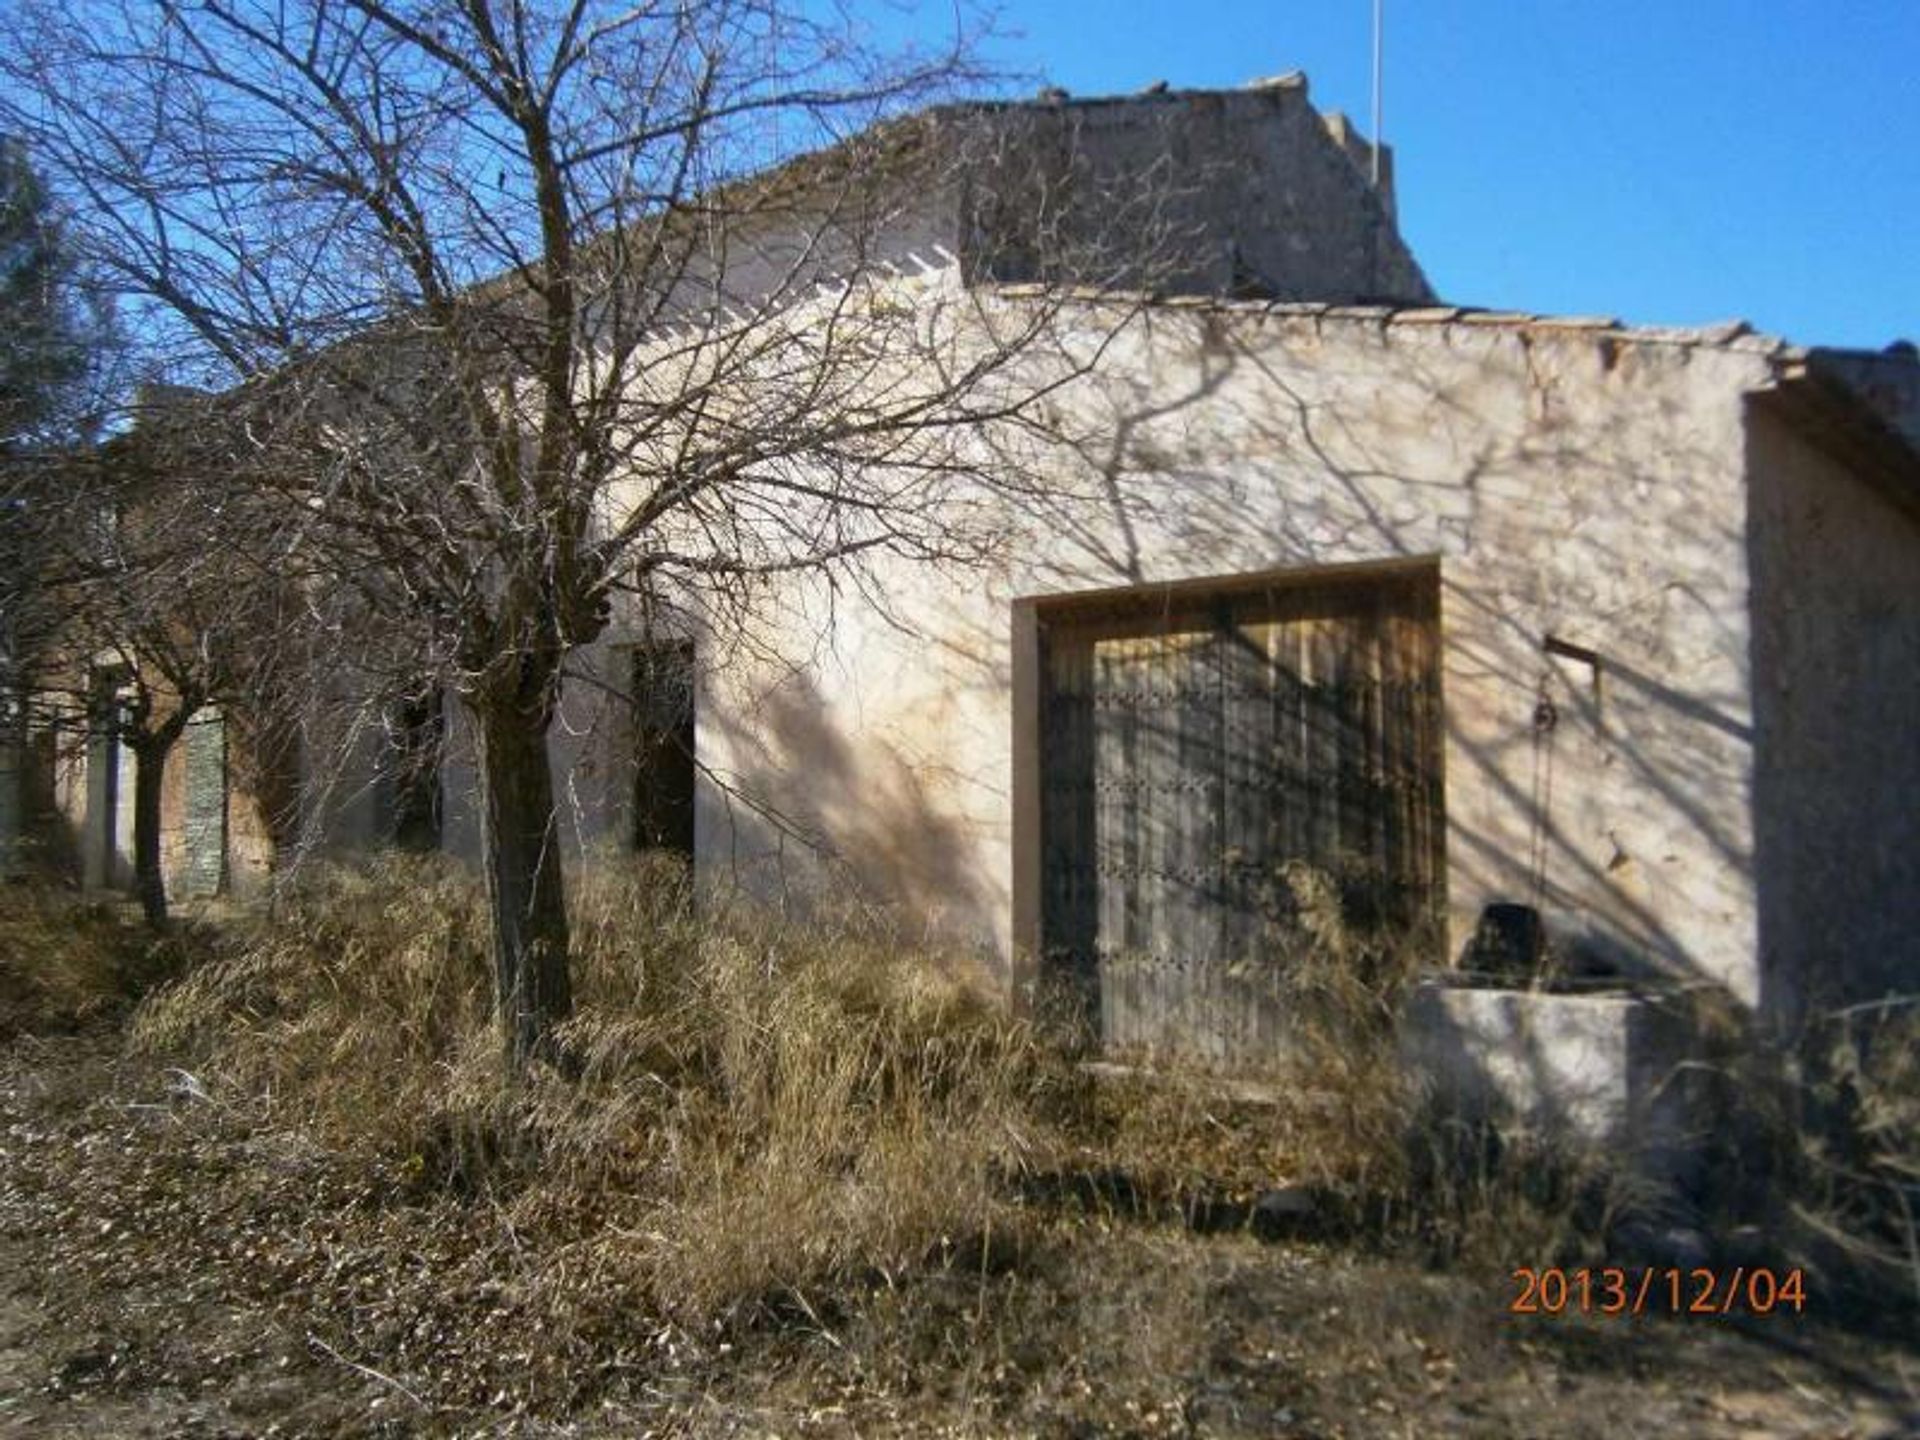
<point>1572,481</point>
<point>1224,192</point>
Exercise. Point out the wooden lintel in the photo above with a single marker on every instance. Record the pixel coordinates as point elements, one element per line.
<point>1554,645</point>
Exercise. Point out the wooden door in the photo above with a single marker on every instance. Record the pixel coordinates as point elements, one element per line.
<point>1192,758</point>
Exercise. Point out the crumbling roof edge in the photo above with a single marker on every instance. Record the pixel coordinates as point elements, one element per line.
<point>1806,386</point>
<point>1294,83</point>
<point>1736,335</point>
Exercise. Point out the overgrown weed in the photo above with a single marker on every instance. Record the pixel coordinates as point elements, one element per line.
<point>757,1106</point>
<point>1826,1152</point>
<point>778,1130</point>
<point>772,1105</point>
<point>68,960</point>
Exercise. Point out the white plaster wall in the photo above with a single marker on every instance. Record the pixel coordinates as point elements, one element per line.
<point>1572,482</point>
<point>1558,1064</point>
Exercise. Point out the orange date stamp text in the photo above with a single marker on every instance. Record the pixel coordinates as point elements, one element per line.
<point>1657,1290</point>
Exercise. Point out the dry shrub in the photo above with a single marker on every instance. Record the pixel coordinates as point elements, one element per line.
<point>758,1112</point>
<point>1845,1143</point>
<point>1352,960</point>
<point>344,1007</point>
<point>66,961</point>
<point>758,1106</point>
<point>1804,1151</point>
<point>1759,1149</point>
<point>1327,1115</point>
<point>753,1105</point>
<point>1477,1197</point>
<point>1339,1115</point>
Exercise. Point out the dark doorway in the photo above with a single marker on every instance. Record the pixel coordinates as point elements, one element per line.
<point>107,833</point>
<point>416,744</point>
<point>664,769</point>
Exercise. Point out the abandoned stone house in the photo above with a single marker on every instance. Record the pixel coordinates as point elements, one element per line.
<point>1543,617</point>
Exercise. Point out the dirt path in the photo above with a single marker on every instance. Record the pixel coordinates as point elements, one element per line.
<point>48,1375</point>
<point>109,1350</point>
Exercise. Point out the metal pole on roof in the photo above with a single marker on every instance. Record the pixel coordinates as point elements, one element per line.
<point>1378,5</point>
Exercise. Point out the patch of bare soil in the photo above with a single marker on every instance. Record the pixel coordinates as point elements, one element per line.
<point>172,1267</point>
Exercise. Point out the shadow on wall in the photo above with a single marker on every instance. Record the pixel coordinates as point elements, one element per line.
<point>1574,487</point>
<point>1836,643</point>
<point>1624,821</point>
<point>1604,1070</point>
<point>812,819</point>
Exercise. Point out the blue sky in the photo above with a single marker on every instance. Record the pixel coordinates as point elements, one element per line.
<point>1665,161</point>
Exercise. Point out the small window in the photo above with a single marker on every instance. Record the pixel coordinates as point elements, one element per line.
<point>663,747</point>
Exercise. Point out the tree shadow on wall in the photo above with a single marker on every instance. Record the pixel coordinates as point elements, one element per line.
<point>815,816</point>
<point>1240,451</point>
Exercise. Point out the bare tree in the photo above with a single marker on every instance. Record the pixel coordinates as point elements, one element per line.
<point>146,575</point>
<point>523,310</point>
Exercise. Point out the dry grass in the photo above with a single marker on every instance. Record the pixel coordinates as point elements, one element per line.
<point>1837,1118</point>
<point>800,1165</point>
<point>760,1107</point>
<point>1327,1119</point>
<point>66,962</point>
<point>766,1110</point>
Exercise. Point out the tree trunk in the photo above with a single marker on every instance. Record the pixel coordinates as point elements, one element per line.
<point>149,771</point>
<point>527,900</point>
